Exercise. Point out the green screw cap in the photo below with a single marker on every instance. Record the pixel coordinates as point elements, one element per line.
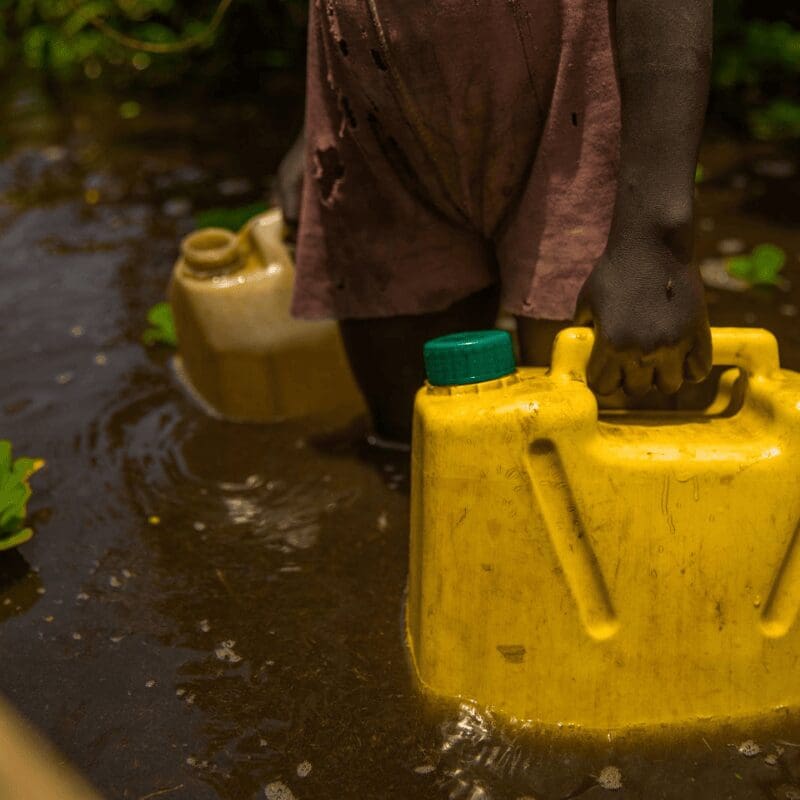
<point>472,357</point>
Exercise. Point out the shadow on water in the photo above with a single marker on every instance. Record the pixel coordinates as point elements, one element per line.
<point>212,610</point>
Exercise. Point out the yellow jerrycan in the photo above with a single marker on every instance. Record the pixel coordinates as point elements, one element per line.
<point>239,348</point>
<point>605,570</point>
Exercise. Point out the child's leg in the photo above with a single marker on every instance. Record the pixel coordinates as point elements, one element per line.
<point>536,338</point>
<point>385,354</point>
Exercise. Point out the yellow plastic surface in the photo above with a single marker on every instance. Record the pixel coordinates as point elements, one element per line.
<point>239,347</point>
<point>609,571</point>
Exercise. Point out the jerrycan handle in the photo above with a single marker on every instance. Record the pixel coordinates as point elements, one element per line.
<point>753,350</point>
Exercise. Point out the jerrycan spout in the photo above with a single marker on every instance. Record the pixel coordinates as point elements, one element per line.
<point>212,251</point>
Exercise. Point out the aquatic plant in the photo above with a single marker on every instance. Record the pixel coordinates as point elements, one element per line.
<point>15,491</point>
<point>231,219</point>
<point>162,326</point>
<point>761,267</point>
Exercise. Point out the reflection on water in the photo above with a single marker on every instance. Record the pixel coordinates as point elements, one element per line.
<point>212,610</point>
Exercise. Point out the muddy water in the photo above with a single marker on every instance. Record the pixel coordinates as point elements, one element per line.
<point>212,610</point>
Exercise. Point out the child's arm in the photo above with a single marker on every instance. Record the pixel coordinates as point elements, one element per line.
<point>645,296</point>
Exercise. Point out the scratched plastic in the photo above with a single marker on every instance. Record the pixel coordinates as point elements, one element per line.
<point>609,570</point>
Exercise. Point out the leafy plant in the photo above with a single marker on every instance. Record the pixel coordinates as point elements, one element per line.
<point>15,492</point>
<point>699,174</point>
<point>159,40</point>
<point>778,120</point>
<point>762,266</point>
<point>162,326</point>
<point>231,219</point>
<point>756,69</point>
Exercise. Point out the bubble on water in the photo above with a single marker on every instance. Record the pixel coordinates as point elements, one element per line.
<point>277,790</point>
<point>303,769</point>
<point>224,652</point>
<point>101,359</point>
<point>775,168</point>
<point>234,186</point>
<point>749,748</point>
<point>730,246</point>
<point>77,331</point>
<point>114,582</point>
<point>204,625</point>
<point>81,596</point>
<point>771,760</point>
<point>424,769</point>
<point>76,636</point>
<point>54,153</point>
<point>302,538</point>
<point>63,378</point>
<point>714,272</point>
<point>610,778</point>
<point>177,207</point>
<point>383,521</point>
<point>150,684</point>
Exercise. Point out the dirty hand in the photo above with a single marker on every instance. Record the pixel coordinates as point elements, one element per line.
<point>289,183</point>
<point>650,321</point>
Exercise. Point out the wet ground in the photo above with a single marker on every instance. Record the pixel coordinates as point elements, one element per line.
<point>212,610</point>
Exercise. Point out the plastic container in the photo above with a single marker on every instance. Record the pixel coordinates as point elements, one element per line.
<point>240,349</point>
<point>609,570</point>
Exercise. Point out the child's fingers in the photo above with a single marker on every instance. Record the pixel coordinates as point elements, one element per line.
<point>699,359</point>
<point>669,375</point>
<point>604,373</point>
<point>637,379</point>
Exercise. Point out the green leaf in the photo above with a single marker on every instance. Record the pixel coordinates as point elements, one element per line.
<point>16,539</point>
<point>779,120</point>
<point>84,14</point>
<point>5,458</point>
<point>231,219</point>
<point>768,261</point>
<point>761,267</point>
<point>15,491</point>
<point>740,267</point>
<point>699,174</point>
<point>162,330</point>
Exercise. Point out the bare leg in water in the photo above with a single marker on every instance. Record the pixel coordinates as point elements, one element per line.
<point>386,354</point>
<point>536,338</point>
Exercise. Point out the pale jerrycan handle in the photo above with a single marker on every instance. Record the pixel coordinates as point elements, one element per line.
<point>753,350</point>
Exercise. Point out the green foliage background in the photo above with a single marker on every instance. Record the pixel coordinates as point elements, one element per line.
<point>756,77</point>
<point>756,73</point>
<point>58,37</point>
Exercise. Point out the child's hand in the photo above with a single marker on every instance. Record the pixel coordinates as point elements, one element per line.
<point>650,320</point>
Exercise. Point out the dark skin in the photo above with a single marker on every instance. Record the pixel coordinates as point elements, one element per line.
<point>644,297</point>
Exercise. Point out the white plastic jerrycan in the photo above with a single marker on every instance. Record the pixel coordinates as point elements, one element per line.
<point>240,349</point>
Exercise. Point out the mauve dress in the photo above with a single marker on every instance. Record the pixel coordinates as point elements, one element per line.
<point>451,145</point>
